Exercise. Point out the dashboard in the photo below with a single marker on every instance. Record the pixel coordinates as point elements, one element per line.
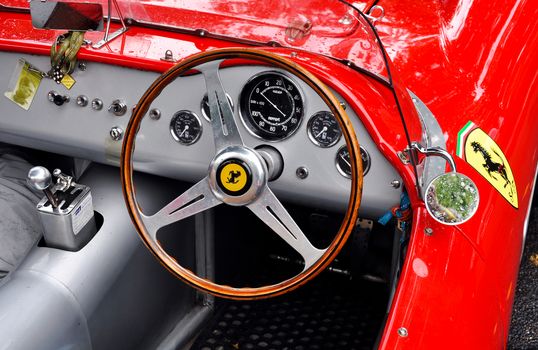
<point>273,109</point>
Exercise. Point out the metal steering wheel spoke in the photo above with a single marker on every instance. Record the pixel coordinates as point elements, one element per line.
<point>225,130</point>
<point>193,201</point>
<point>269,209</point>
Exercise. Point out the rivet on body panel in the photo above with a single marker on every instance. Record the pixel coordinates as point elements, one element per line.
<point>428,231</point>
<point>402,332</point>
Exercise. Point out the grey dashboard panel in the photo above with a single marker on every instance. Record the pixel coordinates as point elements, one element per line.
<point>84,132</point>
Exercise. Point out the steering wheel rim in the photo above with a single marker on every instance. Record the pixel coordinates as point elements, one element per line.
<point>206,62</point>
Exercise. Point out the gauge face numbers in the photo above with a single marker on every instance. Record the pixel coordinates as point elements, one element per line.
<point>204,106</point>
<point>323,129</point>
<point>185,127</point>
<point>271,106</point>
<point>343,162</point>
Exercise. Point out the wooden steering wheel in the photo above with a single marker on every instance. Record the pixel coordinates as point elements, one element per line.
<point>250,168</point>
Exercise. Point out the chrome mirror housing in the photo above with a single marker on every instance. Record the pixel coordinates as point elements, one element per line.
<point>451,198</point>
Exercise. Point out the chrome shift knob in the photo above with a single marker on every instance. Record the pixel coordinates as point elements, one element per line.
<point>39,178</point>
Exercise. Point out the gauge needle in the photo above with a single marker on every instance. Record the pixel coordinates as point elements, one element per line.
<point>272,104</point>
<point>186,128</point>
<point>321,132</point>
<point>345,160</point>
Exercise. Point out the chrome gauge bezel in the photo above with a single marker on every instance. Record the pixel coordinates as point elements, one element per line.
<point>206,117</point>
<point>313,138</point>
<point>340,170</point>
<point>173,131</point>
<point>365,167</point>
<point>248,125</point>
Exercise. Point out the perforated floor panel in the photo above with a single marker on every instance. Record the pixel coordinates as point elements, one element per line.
<point>325,314</point>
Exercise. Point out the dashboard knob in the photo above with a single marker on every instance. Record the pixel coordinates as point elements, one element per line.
<point>57,99</point>
<point>116,133</point>
<point>118,108</point>
<point>97,104</point>
<point>82,100</point>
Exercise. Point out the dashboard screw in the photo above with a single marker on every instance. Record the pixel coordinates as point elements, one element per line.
<point>82,66</point>
<point>155,114</point>
<point>301,172</point>
<point>395,183</point>
<point>402,332</point>
<point>428,231</point>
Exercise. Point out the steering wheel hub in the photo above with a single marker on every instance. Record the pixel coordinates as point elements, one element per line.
<point>234,177</point>
<point>237,175</point>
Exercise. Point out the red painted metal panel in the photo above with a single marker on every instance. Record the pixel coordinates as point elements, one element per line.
<point>467,62</point>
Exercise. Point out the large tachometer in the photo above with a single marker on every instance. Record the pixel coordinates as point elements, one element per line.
<point>271,106</point>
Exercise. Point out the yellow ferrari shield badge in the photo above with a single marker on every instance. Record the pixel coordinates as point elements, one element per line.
<point>233,177</point>
<point>483,154</point>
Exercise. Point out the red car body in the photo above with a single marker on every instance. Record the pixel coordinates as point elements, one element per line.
<point>467,61</point>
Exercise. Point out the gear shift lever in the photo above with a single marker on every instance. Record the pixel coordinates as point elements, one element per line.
<point>39,178</point>
<point>66,211</point>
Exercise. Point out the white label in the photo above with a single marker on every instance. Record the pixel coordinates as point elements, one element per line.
<point>82,214</point>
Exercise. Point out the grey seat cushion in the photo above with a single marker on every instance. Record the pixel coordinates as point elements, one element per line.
<point>20,227</point>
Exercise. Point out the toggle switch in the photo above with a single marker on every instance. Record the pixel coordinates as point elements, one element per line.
<point>57,99</point>
<point>118,108</point>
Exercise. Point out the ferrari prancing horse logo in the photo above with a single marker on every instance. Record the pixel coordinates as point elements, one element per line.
<point>484,155</point>
<point>233,177</point>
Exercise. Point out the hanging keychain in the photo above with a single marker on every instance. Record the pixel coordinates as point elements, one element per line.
<point>63,57</point>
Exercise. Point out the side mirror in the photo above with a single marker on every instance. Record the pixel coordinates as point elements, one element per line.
<point>451,198</point>
<point>65,15</point>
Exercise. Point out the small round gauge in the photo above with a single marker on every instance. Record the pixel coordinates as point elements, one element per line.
<point>323,129</point>
<point>185,127</point>
<point>271,106</point>
<point>204,106</point>
<point>343,162</point>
